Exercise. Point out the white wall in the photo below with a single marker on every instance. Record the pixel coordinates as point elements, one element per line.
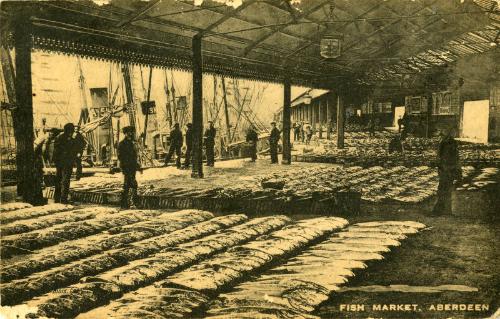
<point>475,120</point>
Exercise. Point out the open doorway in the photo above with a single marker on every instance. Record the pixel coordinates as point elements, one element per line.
<point>399,111</point>
<point>475,121</point>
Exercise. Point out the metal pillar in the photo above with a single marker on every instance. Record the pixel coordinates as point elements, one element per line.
<point>320,117</point>
<point>428,115</point>
<point>27,185</point>
<point>340,121</point>
<point>287,149</point>
<point>314,117</point>
<point>197,117</point>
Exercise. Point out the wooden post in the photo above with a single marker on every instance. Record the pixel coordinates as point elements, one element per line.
<point>27,185</point>
<point>197,171</point>
<point>340,121</point>
<point>287,149</point>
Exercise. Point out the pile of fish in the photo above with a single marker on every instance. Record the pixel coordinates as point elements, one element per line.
<point>109,218</point>
<point>375,184</point>
<point>75,215</point>
<point>162,227</point>
<point>186,291</point>
<point>296,288</point>
<point>371,151</point>
<point>487,176</point>
<point>13,206</point>
<point>32,212</point>
<point>97,184</point>
<point>92,292</point>
<point>164,264</point>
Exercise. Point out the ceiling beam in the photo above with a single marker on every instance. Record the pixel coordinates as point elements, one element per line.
<point>229,15</point>
<point>349,46</point>
<point>315,39</point>
<point>138,13</point>
<point>302,15</point>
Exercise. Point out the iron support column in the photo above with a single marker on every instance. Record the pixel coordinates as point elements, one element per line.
<point>197,117</point>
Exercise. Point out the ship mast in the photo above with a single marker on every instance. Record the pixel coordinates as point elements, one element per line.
<point>226,112</point>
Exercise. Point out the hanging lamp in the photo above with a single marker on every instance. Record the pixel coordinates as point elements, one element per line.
<point>331,42</point>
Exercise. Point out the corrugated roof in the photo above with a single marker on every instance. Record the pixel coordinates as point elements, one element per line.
<point>382,40</point>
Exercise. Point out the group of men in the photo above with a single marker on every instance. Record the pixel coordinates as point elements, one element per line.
<point>274,137</point>
<point>67,152</point>
<point>302,131</point>
<point>176,143</point>
<point>68,148</point>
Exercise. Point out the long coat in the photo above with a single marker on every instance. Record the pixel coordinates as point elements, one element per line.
<point>127,155</point>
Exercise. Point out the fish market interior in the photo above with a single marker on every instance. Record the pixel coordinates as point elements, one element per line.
<point>250,159</point>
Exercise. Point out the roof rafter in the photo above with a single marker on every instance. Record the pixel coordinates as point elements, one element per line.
<point>351,45</point>
<point>229,15</point>
<point>320,34</point>
<point>302,15</point>
<point>138,13</point>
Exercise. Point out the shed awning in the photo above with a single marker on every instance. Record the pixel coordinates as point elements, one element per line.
<point>266,39</point>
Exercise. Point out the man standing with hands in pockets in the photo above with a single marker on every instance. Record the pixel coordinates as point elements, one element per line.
<point>129,164</point>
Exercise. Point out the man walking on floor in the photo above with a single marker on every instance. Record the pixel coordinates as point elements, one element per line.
<point>64,159</point>
<point>189,145</point>
<point>129,164</point>
<point>273,143</point>
<point>449,170</point>
<point>175,146</point>
<point>210,143</point>
<point>252,139</point>
<point>80,145</point>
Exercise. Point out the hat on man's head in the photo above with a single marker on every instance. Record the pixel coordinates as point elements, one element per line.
<point>69,127</point>
<point>128,129</point>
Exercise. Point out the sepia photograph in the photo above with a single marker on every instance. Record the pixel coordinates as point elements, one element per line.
<point>250,159</point>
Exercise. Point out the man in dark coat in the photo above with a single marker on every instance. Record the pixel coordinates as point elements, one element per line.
<point>273,143</point>
<point>371,127</point>
<point>449,170</point>
<point>129,164</point>
<point>252,139</point>
<point>80,144</point>
<point>396,144</point>
<point>210,143</point>
<point>64,159</point>
<point>189,145</point>
<point>296,131</point>
<point>175,146</point>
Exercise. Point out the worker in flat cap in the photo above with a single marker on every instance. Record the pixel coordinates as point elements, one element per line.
<point>252,138</point>
<point>449,170</point>
<point>273,143</point>
<point>175,146</point>
<point>129,164</point>
<point>64,158</point>
<point>209,137</point>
